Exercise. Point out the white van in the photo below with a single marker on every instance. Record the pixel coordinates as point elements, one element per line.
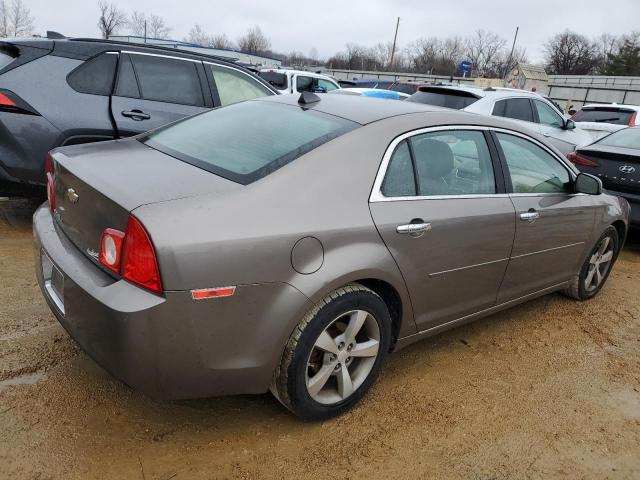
<point>292,81</point>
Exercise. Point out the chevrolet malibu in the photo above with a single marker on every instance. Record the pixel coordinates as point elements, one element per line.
<point>289,244</point>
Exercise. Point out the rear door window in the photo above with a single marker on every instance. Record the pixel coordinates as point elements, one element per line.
<point>615,116</point>
<point>234,86</point>
<point>399,180</point>
<point>326,84</point>
<point>169,80</point>
<point>248,140</point>
<point>516,108</point>
<point>95,76</point>
<point>304,84</point>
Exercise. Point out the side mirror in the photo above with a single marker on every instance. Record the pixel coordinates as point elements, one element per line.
<point>588,184</point>
<point>569,124</point>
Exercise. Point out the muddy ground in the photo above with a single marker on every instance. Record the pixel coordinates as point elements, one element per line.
<point>550,389</point>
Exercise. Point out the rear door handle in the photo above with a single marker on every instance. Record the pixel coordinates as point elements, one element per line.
<point>529,216</point>
<point>136,115</point>
<point>413,228</point>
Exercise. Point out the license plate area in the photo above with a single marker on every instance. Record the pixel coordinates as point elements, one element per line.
<point>53,281</point>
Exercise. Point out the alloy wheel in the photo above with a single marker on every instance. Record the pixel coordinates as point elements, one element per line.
<point>342,357</point>
<point>599,265</point>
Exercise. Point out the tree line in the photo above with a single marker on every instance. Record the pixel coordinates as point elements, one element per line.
<point>566,53</point>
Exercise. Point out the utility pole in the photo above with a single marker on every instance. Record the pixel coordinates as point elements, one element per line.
<point>145,30</point>
<point>513,47</point>
<point>393,49</point>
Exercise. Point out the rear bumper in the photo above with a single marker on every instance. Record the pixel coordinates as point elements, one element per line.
<point>169,346</point>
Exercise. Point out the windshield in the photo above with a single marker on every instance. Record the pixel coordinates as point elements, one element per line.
<point>626,138</point>
<point>616,116</point>
<point>449,98</point>
<point>278,80</point>
<point>246,141</point>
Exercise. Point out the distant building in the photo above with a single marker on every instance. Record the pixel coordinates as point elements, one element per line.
<point>528,77</point>
<point>232,55</point>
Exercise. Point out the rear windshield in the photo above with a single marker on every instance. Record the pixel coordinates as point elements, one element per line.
<point>247,141</point>
<point>278,80</point>
<point>407,88</point>
<point>616,116</point>
<point>626,138</point>
<point>450,98</point>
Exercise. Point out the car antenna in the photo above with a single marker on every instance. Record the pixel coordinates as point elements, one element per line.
<point>308,97</point>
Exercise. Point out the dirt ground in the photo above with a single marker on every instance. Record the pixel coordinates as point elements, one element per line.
<point>550,389</point>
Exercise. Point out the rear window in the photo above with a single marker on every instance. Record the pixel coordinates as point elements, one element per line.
<point>450,98</point>
<point>615,116</point>
<point>247,141</point>
<point>407,88</point>
<point>95,76</point>
<point>626,138</point>
<point>278,80</point>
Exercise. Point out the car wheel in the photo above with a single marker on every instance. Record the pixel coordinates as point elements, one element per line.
<point>596,268</point>
<point>334,354</point>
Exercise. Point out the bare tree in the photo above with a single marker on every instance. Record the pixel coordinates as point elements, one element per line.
<point>152,26</point>
<point>198,36</point>
<point>111,18</point>
<point>15,19</point>
<point>254,41</point>
<point>221,41</point>
<point>482,49</point>
<point>569,53</point>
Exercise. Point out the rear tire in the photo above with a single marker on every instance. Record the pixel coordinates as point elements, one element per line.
<point>596,268</point>
<point>334,354</point>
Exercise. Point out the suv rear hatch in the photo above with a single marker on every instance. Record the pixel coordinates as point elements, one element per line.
<point>601,121</point>
<point>98,185</point>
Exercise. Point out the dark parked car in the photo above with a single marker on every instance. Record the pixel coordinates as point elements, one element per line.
<point>290,244</point>
<point>615,159</point>
<point>70,91</point>
<point>366,83</point>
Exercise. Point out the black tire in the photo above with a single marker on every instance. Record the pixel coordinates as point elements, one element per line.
<point>289,381</point>
<point>577,289</point>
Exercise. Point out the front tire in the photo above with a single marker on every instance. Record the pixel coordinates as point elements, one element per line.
<point>596,268</point>
<point>334,355</point>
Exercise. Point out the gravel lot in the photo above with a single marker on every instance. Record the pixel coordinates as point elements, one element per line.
<point>550,389</point>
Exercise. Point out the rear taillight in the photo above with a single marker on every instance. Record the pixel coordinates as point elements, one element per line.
<point>131,254</point>
<point>632,120</point>
<point>10,102</point>
<point>6,102</point>
<point>48,168</point>
<point>581,161</point>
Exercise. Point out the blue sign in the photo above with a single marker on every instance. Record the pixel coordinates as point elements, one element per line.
<point>465,67</point>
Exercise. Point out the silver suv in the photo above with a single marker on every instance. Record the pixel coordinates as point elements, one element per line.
<point>528,108</point>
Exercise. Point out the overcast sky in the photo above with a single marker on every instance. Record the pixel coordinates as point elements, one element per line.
<point>328,25</point>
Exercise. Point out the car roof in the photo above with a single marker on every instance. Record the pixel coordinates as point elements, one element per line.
<point>291,70</point>
<point>490,92</point>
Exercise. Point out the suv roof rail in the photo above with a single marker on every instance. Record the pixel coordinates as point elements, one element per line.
<point>155,47</point>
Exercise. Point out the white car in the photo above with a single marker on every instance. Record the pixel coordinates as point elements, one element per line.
<point>527,108</point>
<point>604,118</point>
<point>292,81</point>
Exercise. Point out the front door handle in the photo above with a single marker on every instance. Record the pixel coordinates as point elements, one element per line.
<point>413,228</point>
<point>136,115</point>
<point>529,216</point>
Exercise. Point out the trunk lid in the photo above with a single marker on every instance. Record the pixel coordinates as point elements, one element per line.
<point>618,167</point>
<point>98,185</point>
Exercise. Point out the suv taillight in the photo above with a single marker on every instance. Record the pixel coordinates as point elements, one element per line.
<point>632,120</point>
<point>131,254</point>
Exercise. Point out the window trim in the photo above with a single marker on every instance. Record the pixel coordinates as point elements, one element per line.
<point>376,191</point>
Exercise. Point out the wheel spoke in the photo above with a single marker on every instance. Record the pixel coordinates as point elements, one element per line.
<point>319,380</point>
<point>355,324</point>
<point>345,385</point>
<point>606,257</point>
<point>366,349</point>
<point>599,276</point>
<point>603,246</point>
<point>326,343</point>
<point>594,259</point>
<point>589,280</point>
